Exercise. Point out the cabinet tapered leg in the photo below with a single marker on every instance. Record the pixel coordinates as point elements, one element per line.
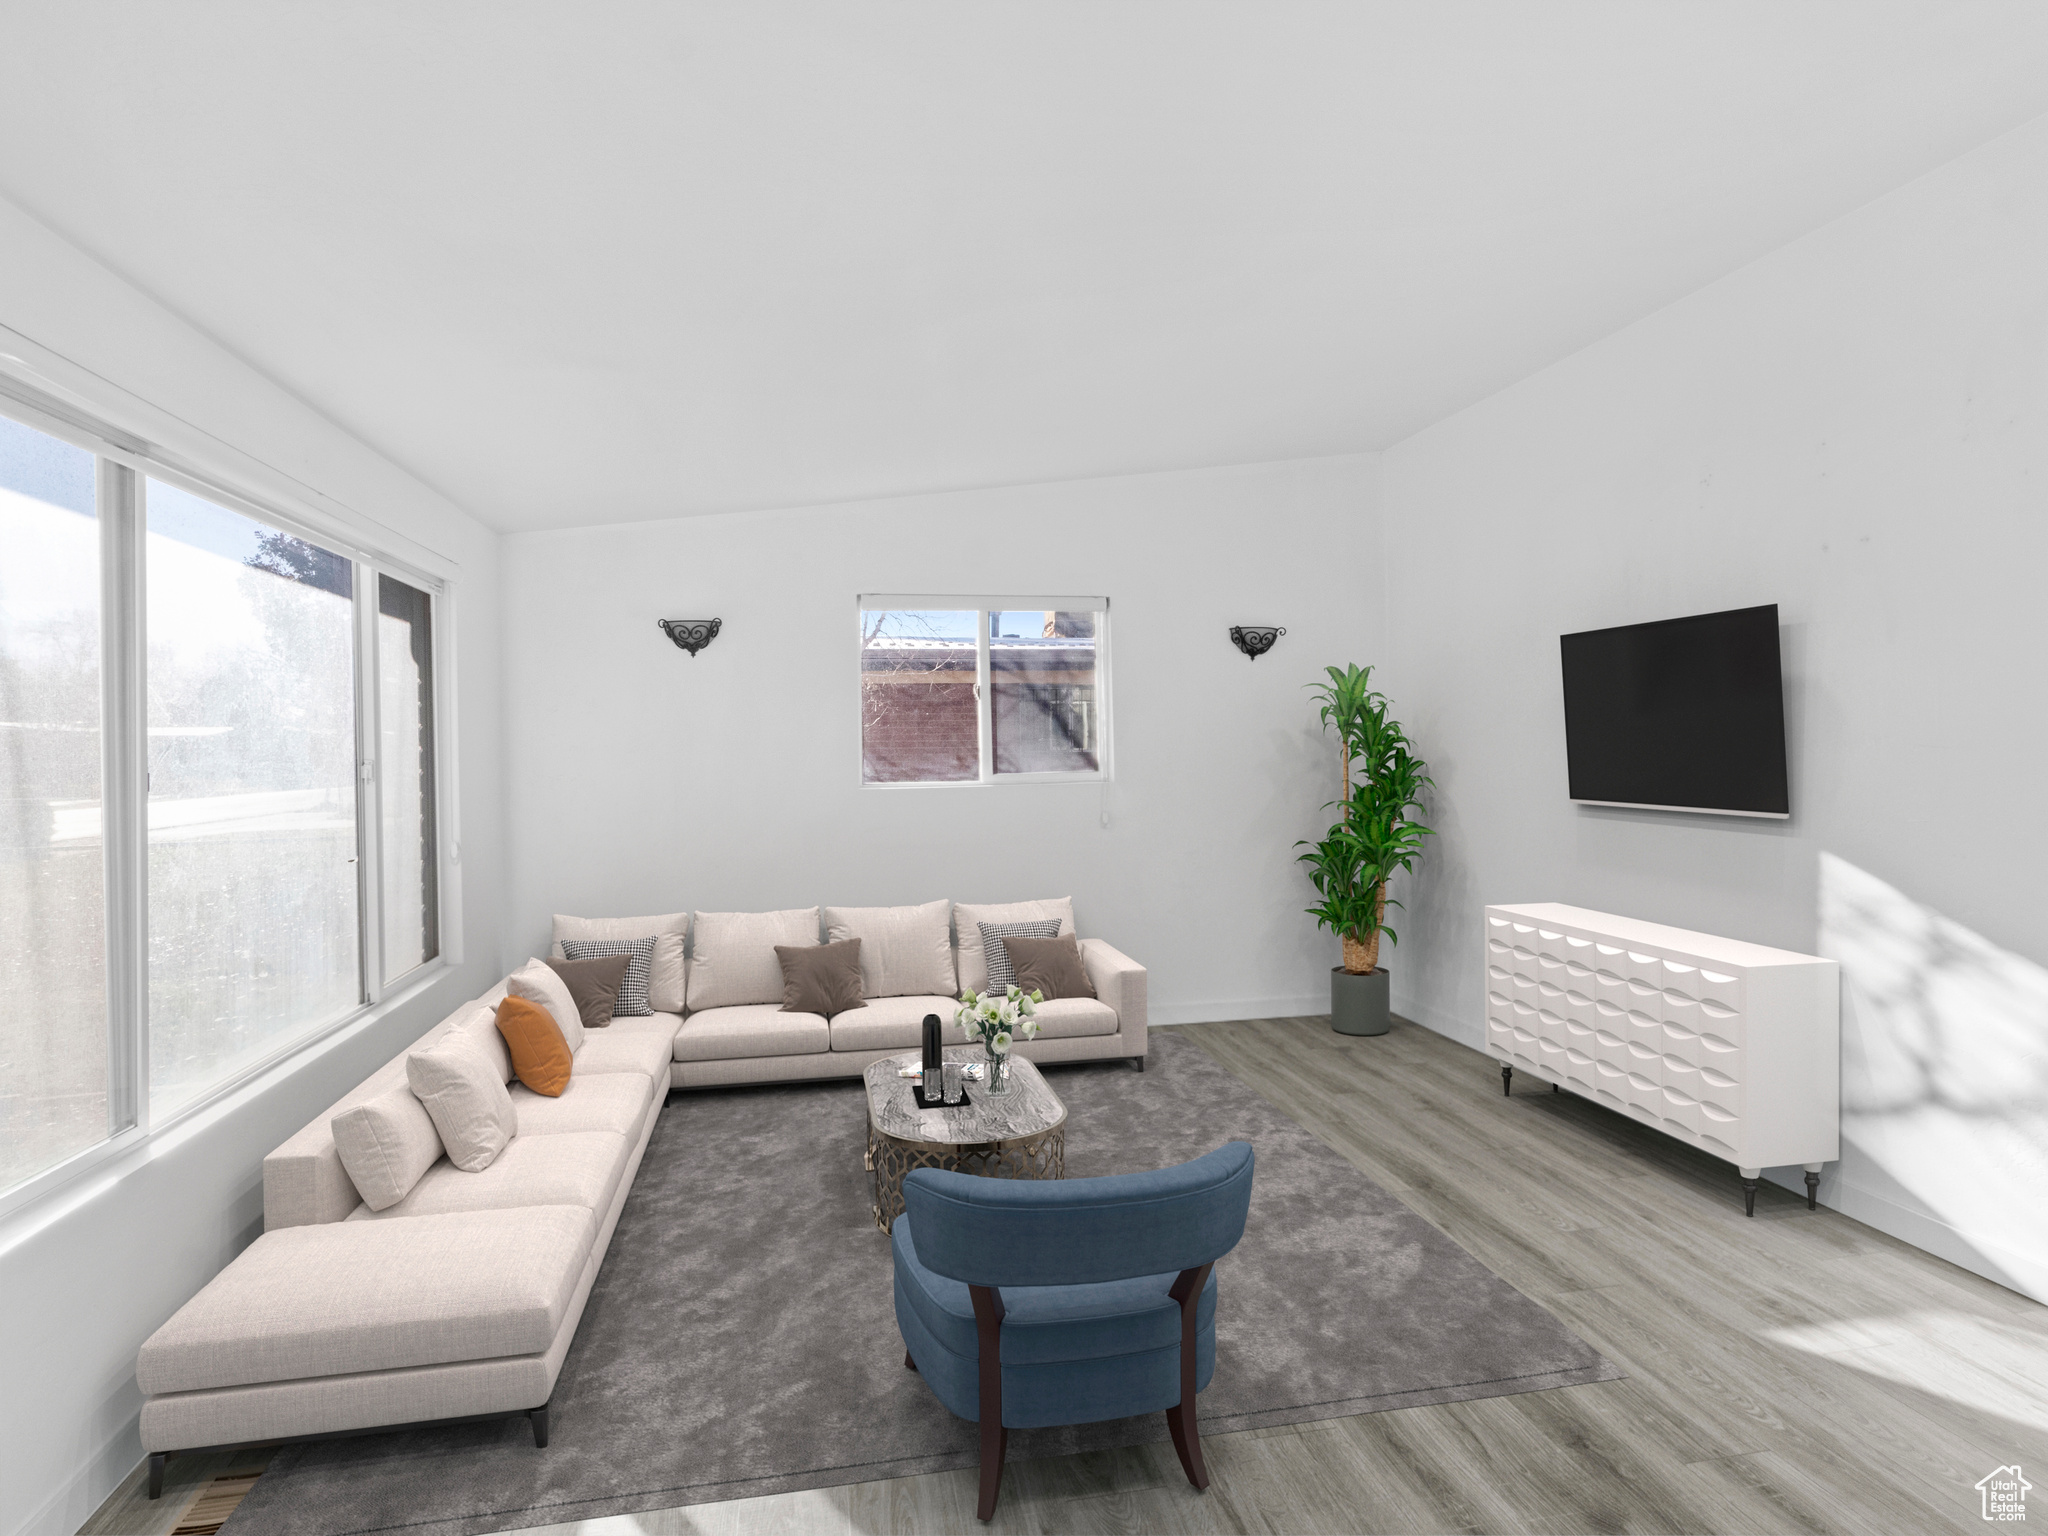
<point>1507,1080</point>
<point>1749,1197</point>
<point>1813,1191</point>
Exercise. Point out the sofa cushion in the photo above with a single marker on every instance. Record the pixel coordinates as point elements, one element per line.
<point>734,957</point>
<point>1002,974</point>
<point>459,1084</point>
<point>602,1101</point>
<point>904,951</point>
<point>665,979</point>
<point>594,985</point>
<point>893,1024</point>
<point>1048,967</point>
<point>568,1168</point>
<point>480,1027</point>
<point>967,923</point>
<point>387,1144</point>
<point>540,1056</point>
<point>344,1297</point>
<point>755,1029</point>
<point>642,1045</point>
<point>1063,1018</point>
<point>537,982</point>
<point>820,978</point>
<point>632,1000</point>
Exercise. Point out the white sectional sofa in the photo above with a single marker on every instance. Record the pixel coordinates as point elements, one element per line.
<point>459,1299</point>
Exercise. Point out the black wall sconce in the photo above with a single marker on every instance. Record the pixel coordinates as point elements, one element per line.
<point>1254,639</point>
<point>690,635</point>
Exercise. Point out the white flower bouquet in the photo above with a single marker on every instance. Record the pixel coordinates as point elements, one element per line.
<point>998,1021</point>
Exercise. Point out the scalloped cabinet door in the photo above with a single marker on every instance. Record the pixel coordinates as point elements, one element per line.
<point>1731,1047</point>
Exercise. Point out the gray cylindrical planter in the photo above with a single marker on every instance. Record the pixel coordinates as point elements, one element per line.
<point>1358,1004</point>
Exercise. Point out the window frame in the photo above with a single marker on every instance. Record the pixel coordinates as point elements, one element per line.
<point>983,605</point>
<point>124,465</point>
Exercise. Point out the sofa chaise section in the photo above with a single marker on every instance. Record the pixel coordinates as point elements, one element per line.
<point>457,1302</point>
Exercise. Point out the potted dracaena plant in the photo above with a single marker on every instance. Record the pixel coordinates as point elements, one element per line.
<point>1376,833</point>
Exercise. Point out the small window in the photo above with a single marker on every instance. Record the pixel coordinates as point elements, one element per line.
<point>977,690</point>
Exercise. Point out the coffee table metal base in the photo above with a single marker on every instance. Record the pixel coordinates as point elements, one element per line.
<point>1043,1156</point>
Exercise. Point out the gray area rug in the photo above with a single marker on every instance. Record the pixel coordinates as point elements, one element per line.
<point>741,1339</point>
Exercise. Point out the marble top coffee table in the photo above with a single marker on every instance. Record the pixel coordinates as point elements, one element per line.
<point>1020,1134</point>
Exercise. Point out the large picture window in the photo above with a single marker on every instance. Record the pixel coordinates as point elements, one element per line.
<point>981,690</point>
<point>218,802</point>
<point>53,979</point>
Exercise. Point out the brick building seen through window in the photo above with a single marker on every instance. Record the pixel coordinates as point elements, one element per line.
<point>923,716</point>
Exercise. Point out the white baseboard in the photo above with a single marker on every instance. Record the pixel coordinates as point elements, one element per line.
<point>1239,1008</point>
<point>76,1500</point>
<point>2007,1266</point>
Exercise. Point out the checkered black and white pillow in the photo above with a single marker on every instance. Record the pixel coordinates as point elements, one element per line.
<point>1000,973</point>
<point>639,968</point>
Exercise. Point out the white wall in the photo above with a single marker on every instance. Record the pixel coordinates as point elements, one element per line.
<point>644,780</point>
<point>92,1270</point>
<point>1855,427</point>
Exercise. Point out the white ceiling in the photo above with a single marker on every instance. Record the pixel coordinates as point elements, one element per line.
<point>579,264</point>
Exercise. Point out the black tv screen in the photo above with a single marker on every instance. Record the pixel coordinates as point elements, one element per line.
<point>1683,714</point>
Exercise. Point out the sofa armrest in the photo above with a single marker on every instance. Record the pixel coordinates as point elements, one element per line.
<point>1120,982</point>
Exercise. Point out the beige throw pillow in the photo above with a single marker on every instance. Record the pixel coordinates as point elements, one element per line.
<point>665,984</point>
<point>462,1092</point>
<point>479,1026</point>
<point>904,951</point>
<point>967,923</point>
<point>386,1145</point>
<point>733,960</point>
<point>539,982</point>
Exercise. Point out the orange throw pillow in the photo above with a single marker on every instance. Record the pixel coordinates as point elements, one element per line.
<point>540,1056</point>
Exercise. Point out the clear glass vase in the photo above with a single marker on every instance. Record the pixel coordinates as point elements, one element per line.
<point>998,1070</point>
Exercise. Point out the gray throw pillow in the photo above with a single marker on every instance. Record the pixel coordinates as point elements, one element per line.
<point>820,978</point>
<point>1000,975</point>
<point>639,955</point>
<point>1051,967</point>
<point>594,984</point>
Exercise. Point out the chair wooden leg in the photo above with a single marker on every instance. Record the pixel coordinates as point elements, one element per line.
<point>156,1473</point>
<point>995,1439</point>
<point>1180,1418</point>
<point>908,1363</point>
<point>1187,1444</point>
<point>538,1417</point>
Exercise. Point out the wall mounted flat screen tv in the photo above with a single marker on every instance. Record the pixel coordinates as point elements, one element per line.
<point>1683,714</point>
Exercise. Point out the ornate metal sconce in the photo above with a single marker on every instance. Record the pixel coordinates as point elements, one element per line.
<point>1254,639</point>
<point>690,635</point>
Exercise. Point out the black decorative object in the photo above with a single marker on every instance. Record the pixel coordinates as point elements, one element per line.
<point>690,635</point>
<point>1254,639</point>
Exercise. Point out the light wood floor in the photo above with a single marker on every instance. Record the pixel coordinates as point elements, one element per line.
<point>1795,1372</point>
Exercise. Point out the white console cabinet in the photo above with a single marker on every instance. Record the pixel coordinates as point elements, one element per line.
<point>1730,1047</point>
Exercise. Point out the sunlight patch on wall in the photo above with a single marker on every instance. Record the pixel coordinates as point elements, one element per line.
<point>1944,1067</point>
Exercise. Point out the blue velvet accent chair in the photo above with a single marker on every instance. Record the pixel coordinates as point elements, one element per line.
<point>1026,1303</point>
